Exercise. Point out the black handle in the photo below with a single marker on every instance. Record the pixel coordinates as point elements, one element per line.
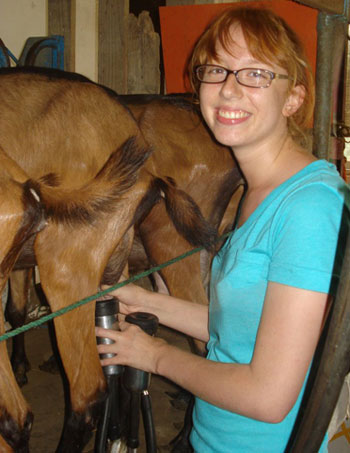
<point>136,380</point>
<point>146,321</point>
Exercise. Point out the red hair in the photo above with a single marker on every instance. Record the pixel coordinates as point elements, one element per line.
<point>270,40</point>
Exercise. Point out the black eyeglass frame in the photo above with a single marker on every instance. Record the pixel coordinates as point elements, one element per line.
<point>273,75</point>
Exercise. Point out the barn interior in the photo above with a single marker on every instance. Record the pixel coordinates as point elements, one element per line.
<point>141,47</point>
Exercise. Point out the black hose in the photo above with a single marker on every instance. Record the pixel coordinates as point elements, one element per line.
<point>114,428</point>
<point>150,433</point>
<point>134,420</point>
<point>136,381</point>
<point>102,429</point>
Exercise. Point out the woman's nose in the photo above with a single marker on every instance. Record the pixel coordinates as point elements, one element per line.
<point>231,88</point>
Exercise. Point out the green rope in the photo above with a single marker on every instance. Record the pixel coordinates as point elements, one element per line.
<point>84,301</point>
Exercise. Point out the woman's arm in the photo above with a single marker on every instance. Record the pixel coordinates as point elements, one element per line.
<point>267,387</point>
<point>264,389</point>
<point>186,317</point>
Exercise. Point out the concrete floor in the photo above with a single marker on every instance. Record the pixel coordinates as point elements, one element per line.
<point>44,392</point>
<point>340,443</point>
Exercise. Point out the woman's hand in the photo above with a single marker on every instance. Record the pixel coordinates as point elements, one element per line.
<point>131,298</point>
<point>132,347</point>
<point>186,317</point>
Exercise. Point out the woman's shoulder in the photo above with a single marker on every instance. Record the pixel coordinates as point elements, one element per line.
<point>316,196</point>
<point>318,180</point>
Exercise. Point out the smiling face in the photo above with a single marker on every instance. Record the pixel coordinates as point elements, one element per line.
<point>241,116</point>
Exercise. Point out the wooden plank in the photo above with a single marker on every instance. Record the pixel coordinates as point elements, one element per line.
<point>112,44</point>
<point>179,2</point>
<point>331,6</point>
<point>143,55</point>
<point>200,2</point>
<point>347,87</point>
<point>61,21</point>
<point>203,2</point>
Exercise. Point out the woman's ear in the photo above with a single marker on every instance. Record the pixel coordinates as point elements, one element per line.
<point>294,100</point>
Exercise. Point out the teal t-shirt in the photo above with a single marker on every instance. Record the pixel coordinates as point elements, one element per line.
<point>291,238</point>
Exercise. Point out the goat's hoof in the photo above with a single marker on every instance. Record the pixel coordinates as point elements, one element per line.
<point>50,366</point>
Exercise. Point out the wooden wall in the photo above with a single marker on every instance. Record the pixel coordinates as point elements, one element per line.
<point>128,47</point>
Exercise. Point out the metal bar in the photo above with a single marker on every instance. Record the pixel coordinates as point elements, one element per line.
<point>331,36</point>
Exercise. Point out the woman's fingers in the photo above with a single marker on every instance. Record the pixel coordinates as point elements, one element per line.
<point>107,333</point>
<point>121,317</point>
<point>131,347</point>
<point>123,325</point>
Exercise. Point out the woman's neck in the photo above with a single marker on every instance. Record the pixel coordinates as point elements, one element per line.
<point>266,170</point>
<point>272,163</point>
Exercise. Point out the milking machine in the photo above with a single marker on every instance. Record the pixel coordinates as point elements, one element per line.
<point>136,382</point>
<point>109,428</point>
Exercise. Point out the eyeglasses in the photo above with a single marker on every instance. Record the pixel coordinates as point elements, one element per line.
<point>248,77</point>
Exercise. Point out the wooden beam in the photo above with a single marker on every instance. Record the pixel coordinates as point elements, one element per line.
<point>112,44</point>
<point>347,85</point>
<point>330,6</point>
<point>61,21</point>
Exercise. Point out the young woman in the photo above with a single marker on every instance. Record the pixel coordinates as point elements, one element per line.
<point>274,277</point>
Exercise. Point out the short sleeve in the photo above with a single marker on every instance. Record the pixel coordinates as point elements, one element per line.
<point>308,239</point>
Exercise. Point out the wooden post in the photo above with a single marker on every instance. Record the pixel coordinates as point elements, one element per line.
<point>346,112</point>
<point>61,21</point>
<point>331,35</point>
<point>112,44</point>
<point>331,6</point>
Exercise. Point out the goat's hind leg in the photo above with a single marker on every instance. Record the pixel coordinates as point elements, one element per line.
<point>15,416</point>
<point>71,267</point>
<point>16,312</point>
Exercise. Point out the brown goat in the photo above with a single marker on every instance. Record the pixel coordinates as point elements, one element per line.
<point>97,179</point>
<point>184,150</point>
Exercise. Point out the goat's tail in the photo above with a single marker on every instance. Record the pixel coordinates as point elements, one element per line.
<point>186,215</point>
<point>99,195</point>
<point>33,221</point>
